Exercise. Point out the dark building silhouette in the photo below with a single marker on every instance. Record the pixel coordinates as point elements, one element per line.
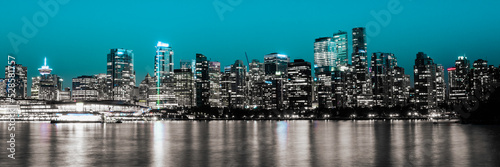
<point>429,82</point>
<point>202,81</point>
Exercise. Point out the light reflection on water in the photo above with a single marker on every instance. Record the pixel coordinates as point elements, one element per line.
<point>254,143</point>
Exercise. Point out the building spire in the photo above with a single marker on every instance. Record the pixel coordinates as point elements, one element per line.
<point>45,69</point>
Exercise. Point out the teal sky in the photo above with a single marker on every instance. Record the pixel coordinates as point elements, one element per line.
<point>78,37</point>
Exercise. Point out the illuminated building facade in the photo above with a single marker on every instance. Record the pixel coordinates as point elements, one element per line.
<point>47,86</point>
<point>255,84</point>
<point>162,95</point>
<point>239,86</point>
<point>184,87</point>
<point>458,80</point>
<point>188,64</point>
<point>202,81</point>
<point>323,84</point>
<point>324,52</point>
<point>382,77</point>
<point>226,87</point>
<point>215,84</point>
<point>363,90</point>
<point>401,87</point>
<point>481,79</point>
<point>299,85</point>
<point>86,88</point>
<point>425,82</point>
<point>440,85</point>
<point>120,74</point>
<point>275,69</point>
<point>340,49</point>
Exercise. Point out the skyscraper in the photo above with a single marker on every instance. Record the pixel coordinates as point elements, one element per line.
<point>481,79</point>
<point>163,95</point>
<point>215,84</point>
<point>238,87</point>
<point>324,52</point>
<point>340,49</point>
<point>401,87</point>
<point>363,90</point>
<point>255,84</point>
<point>425,82</point>
<point>120,74</point>
<point>299,85</point>
<point>440,85</point>
<point>382,77</point>
<point>458,77</point>
<point>275,67</point>
<point>202,81</point>
<point>184,87</point>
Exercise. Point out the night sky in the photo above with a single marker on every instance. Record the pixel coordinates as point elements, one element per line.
<point>78,37</point>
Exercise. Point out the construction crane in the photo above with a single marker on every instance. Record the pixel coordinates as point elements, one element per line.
<point>248,62</point>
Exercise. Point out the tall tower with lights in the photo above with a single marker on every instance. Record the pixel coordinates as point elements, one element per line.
<point>162,94</point>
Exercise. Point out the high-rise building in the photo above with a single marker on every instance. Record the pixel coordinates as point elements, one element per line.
<point>275,68</point>
<point>457,80</point>
<point>163,96</point>
<point>164,61</point>
<point>19,76</point>
<point>226,86</point>
<point>299,85</point>
<point>255,84</point>
<point>324,84</point>
<point>184,87</point>
<point>215,84</point>
<point>202,81</point>
<point>382,77</point>
<point>440,85</point>
<point>188,64</point>
<point>238,85</point>
<point>49,87</point>
<point>35,87</point>
<point>401,87</point>
<point>85,88</point>
<point>425,82</point>
<point>324,52</point>
<point>481,79</point>
<point>363,90</point>
<point>120,74</point>
<point>340,49</point>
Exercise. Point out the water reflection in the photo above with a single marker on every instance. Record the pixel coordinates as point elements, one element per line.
<point>255,143</point>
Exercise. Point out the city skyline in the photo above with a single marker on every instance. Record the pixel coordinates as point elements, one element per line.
<point>222,39</point>
<point>249,83</point>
